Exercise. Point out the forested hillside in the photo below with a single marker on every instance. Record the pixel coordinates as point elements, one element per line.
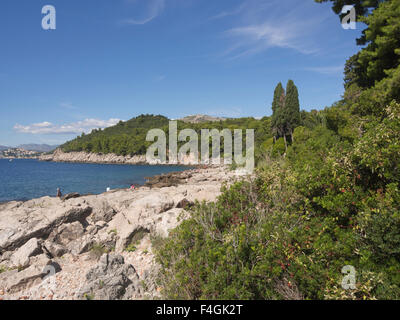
<point>327,199</point>
<point>124,138</point>
<point>129,138</point>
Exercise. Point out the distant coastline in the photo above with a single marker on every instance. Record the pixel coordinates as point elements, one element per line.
<point>19,153</point>
<point>19,158</point>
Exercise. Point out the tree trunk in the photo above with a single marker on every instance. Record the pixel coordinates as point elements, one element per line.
<point>284,137</point>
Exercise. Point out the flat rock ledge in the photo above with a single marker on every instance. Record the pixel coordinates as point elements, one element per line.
<point>97,246</point>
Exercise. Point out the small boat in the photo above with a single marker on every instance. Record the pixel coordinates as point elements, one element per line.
<point>11,160</point>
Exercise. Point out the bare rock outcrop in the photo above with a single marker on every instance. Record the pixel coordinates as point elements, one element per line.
<point>21,257</point>
<point>168,179</point>
<point>14,280</point>
<point>110,279</point>
<point>70,196</point>
<point>73,234</point>
<point>22,221</point>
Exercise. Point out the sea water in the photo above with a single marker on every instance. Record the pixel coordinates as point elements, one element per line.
<point>24,179</point>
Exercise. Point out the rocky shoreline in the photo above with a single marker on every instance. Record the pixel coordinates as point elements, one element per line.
<point>109,158</point>
<point>84,157</point>
<point>97,246</point>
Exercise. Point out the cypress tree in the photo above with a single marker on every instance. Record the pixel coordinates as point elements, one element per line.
<point>292,108</point>
<point>277,102</point>
<point>286,111</point>
<point>277,106</point>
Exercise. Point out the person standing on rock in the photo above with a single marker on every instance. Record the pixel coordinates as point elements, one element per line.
<point>59,194</point>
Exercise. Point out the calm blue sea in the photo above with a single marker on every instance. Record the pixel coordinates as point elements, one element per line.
<point>27,179</point>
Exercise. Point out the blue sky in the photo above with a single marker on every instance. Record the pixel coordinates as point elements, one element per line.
<point>115,59</point>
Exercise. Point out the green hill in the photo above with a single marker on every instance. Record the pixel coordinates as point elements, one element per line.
<point>124,138</point>
<point>129,138</point>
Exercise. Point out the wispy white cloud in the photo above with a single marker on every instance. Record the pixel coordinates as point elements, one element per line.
<point>78,127</point>
<point>261,25</point>
<point>327,70</point>
<point>153,9</point>
<point>229,13</point>
<point>258,38</point>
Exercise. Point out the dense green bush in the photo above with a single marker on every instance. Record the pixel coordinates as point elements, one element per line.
<point>232,249</point>
<point>288,233</point>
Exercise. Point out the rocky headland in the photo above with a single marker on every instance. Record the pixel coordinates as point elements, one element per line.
<point>109,158</point>
<point>85,157</point>
<point>97,246</point>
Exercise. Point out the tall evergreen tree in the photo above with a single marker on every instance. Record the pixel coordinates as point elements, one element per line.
<point>286,111</point>
<point>278,93</point>
<point>292,108</point>
<point>277,106</point>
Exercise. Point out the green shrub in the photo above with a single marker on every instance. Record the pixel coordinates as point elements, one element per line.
<point>279,148</point>
<point>131,248</point>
